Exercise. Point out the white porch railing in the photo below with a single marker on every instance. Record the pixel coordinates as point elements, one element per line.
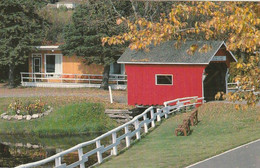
<point>54,79</point>
<point>140,123</point>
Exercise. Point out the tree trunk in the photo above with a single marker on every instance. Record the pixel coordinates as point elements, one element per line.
<point>11,76</point>
<point>4,151</point>
<point>104,84</point>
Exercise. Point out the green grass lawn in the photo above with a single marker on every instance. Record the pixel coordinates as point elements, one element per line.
<point>221,128</point>
<point>71,115</point>
<point>69,119</point>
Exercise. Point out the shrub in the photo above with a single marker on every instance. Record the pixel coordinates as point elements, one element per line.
<point>27,108</point>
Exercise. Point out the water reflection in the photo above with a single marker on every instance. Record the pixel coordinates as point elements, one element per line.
<point>16,150</point>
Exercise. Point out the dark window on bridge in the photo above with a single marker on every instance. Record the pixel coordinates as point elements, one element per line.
<point>164,79</point>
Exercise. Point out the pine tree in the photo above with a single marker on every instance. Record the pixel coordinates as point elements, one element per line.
<point>21,28</point>
<point>91,22</point>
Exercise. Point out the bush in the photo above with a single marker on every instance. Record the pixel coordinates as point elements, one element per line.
<point>27,108</point>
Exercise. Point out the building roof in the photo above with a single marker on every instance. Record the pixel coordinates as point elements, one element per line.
<point>167,53</point>
<point>52,47</point>
<point>71,1</point>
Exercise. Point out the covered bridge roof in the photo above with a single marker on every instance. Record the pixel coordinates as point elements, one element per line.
<point>167,53</point>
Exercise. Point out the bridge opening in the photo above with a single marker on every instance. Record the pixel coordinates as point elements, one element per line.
<point>215,80</point>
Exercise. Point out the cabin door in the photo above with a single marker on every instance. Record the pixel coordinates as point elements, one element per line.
<point>36,65</point>
<point>215,80</point>
<point>36,68</point>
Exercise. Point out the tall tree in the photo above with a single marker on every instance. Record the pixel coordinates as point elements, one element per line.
<point>90,22</point>
<point>58,19</point>
<point>21,28</point>
<point>234,22</point>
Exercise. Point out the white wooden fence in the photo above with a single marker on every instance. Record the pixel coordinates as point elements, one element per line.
<point>140,123</point>
<point>234,87</point>
<point>70,80</point>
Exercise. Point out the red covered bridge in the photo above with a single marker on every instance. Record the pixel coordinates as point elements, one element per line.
<point>166,72</point>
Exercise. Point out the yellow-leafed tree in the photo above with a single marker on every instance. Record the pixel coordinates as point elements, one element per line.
<point>237,23</point>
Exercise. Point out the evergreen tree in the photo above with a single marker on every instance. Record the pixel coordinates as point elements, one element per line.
<point>21,28</point>
<point>58,19</point>
<point>91,22</point>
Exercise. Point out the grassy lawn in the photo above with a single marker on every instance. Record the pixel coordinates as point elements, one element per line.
<point>70,119</point>
<point>71,115</point>
<point>221,128</point>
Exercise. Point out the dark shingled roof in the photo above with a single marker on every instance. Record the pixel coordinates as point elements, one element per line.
<point>167,53</point>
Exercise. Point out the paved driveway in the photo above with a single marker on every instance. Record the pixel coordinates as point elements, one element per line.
<point>245,156</point>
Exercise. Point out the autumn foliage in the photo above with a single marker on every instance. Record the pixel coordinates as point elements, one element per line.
<point>248,80</point>
<point>236,23</point>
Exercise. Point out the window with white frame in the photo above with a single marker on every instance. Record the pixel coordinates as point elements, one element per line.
<point>164,79</point>
<point>53,63</point>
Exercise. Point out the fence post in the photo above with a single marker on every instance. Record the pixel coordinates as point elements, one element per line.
<point>145,124</point>
<point>158,114</point>
<point>178,104</point>
<point>137,127</point>
<point>99,154</point>
<point>114,141</point>
<point>80,153</point>
<point>57,161</point>
<point>127,138</point>
<point>152,117</point>
<point>110,94</point>
<point>22,78</point>
<point>166,112</point>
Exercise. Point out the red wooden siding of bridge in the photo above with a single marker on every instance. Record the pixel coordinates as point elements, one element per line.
<point>142,88</point>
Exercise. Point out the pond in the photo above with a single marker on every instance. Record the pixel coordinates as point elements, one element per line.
<point>17,150</point>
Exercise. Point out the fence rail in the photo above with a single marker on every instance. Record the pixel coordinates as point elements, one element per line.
<point>91,79</point>
<point>140,123</point>
<point>234,87</point>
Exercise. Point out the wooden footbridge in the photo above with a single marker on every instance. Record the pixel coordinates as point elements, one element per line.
<point>125,133</point>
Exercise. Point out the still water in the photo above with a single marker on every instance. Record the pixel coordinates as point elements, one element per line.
<point>17,150</point>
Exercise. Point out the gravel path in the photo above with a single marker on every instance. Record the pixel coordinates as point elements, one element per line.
<point>118,96</point>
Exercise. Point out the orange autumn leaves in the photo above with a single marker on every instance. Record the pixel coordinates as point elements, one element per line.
<point>236,21</point>
<point>248,79</point>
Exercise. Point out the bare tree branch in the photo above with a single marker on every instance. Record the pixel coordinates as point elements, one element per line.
<point>134,9</point>
<point>146,7</point>
<point>115,8</point>
<point>87,2</point>
<point>151,17</point>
